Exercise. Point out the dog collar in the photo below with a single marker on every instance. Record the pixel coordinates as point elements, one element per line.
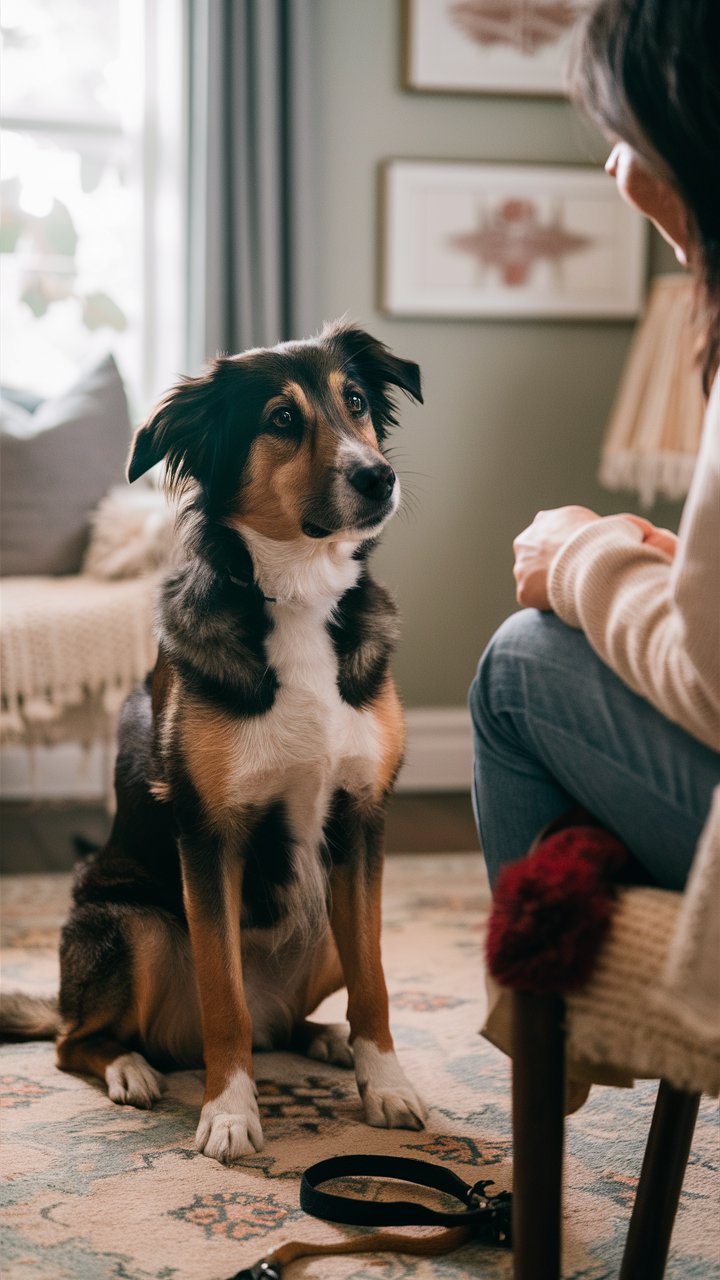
<point>245,585</point>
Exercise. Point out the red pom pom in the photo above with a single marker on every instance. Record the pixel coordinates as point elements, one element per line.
<point>551,911</point>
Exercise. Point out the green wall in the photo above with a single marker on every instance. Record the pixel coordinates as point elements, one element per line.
<point>514,411</point>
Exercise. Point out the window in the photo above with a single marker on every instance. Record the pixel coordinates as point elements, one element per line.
<point>92,242</point>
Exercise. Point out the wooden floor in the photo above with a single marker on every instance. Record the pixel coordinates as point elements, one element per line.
<point>40,837</point>
<point>440,822</point>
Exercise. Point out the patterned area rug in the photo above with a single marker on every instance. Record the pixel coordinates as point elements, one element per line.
<point>94,1191</point>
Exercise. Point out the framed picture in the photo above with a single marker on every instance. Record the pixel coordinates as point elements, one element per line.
<point>487,46</point>
<point>465,239</point>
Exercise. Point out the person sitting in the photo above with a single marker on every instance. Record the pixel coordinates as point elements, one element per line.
<point>604,690</point>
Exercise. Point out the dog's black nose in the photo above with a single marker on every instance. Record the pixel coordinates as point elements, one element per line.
<point>376,481</point>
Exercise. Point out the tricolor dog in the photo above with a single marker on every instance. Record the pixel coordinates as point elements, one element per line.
<point>241,881</point>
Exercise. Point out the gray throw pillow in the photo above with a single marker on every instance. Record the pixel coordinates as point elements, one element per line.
<point>55,466</point>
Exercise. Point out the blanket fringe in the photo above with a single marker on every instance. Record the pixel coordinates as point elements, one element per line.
<point>73,649</point>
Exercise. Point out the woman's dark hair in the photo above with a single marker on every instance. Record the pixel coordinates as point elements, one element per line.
<point>648,71</point>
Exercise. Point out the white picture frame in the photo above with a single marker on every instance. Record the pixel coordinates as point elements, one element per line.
<point>461,239</point>
<point>488,46</point>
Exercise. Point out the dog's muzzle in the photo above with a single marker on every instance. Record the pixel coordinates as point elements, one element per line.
<point>363,498</point>
<point>375,482</point>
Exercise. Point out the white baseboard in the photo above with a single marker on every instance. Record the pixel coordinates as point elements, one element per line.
<point>438,758</point>
<point>439,750</point>
<point>64,772</point>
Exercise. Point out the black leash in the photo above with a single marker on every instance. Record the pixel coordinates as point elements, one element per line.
<point>489,1214</point>
<point>484,1217</point>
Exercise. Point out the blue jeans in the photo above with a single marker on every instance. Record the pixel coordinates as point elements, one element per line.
<point>554,727</point>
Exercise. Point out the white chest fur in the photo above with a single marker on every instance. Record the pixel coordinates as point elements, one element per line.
<point>310,723</point>
<point>310,742</point>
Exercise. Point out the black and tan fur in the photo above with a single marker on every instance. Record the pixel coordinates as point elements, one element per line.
<point>241,881</point>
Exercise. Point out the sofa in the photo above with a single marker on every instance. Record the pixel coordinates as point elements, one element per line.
<point>80,555</point>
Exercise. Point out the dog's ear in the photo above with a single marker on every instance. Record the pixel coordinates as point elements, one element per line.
<point>378,368</point>
<point>186,429</point>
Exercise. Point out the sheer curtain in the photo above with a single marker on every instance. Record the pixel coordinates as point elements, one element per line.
<point>252,174</point>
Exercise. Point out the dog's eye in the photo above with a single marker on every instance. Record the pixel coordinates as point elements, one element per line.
<point>283,418</point>
<point>356,403</point>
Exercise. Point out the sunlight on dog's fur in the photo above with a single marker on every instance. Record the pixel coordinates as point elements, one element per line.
<point>241,881</point>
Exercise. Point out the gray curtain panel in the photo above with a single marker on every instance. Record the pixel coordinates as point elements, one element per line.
<point>252,174</point>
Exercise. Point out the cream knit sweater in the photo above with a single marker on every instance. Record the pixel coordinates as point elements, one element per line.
<point>654,621</point>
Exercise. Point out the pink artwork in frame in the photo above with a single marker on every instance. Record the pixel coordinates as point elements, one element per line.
<point>463,239</point>
<point>488,46</point>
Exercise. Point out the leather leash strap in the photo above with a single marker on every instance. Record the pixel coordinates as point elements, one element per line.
<point>478,1209</point>
<point>483,1217</point>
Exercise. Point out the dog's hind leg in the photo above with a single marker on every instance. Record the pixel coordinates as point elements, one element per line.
<point>99,1021</point>
<point>130,1080</point>
<point>323,1041</point>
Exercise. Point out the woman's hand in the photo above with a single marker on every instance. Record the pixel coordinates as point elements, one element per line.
<point>663,539</point>
<point>535,549</point>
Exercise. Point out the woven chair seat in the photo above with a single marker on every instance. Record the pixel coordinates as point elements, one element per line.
<point>617,1026</point>
<point>619,1019</point>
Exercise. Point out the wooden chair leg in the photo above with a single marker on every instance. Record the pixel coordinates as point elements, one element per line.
<point>538,1097</point>
<point>661,1179</point>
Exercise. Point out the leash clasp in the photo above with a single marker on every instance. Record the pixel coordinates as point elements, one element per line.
<point>476,1196</point>
<point>262,1270</point>
<point>496,1226</point>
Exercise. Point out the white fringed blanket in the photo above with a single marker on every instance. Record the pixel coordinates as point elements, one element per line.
<point>72,649</point>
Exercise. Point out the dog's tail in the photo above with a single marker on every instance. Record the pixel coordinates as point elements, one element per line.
<point>26,1017</point>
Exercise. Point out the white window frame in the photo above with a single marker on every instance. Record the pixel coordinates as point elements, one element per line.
<point>165,185</point>
<point>158,31</point>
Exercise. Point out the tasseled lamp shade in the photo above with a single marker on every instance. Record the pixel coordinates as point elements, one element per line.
<point>653,436</point>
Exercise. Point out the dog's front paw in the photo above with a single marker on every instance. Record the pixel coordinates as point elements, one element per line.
<point>229,1125</point>
<point>132,1082</point>
<point>397,1107</point>
<point>227,1137</point>
<point>389,1100</point>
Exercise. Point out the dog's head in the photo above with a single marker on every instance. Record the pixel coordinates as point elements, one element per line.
<point>286,440</point>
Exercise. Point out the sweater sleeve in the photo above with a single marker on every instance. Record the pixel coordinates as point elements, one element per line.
<point>655,622</point>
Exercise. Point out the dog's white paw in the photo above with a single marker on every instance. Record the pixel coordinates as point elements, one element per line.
<point>395,1108</point>
<point>227,1137</point>
<point>331,1044</point>
<point>132,1082</point>
<point>229,1125</point>
<point>389,1099</point>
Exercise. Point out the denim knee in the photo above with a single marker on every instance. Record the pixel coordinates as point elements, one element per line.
<point>499,680</point>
